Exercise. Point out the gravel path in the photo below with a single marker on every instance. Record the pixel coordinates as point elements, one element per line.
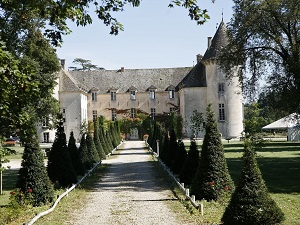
<point>128,193</point>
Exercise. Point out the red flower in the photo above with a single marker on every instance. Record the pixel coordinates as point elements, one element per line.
<point>226,188</point>
<point>12,193</point>
<point>30,190</point>
<point>211,183</point>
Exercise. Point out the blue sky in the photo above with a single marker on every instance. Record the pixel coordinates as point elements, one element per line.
<point>154,36</point>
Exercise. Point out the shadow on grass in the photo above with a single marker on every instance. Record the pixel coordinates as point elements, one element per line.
<point>10,179</point>
<point>282,175</point>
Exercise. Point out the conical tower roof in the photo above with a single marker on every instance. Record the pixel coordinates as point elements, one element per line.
<point>218,42</point>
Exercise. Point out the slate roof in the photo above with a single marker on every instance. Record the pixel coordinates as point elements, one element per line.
<point>195,78</point>
<point>141,79</point>
<point>218,42</point>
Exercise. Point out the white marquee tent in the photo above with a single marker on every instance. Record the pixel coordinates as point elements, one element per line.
<point>291,123</point>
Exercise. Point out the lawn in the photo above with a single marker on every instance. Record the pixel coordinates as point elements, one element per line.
<point>280,166</point>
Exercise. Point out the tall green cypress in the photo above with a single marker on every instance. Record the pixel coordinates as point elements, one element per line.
<point>164,150</point>
<point>33,179</point>
<point>212,178</point>
<point>172,149</point>
<point>74,154</point>
<point>98,145</point>
<point>190,165</point>
<point>180,157</point>
<point>94,156</point>
<point>251,203</point>
<point>84,154</point>
<point>60,168</point>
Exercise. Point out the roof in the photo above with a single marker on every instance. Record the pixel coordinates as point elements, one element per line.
<point>195,78</point>
<point>141,79</point>
<point>291,120</point>
<point>218,42</point>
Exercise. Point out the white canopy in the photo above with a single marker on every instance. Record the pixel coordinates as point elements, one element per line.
<point>291,120</point>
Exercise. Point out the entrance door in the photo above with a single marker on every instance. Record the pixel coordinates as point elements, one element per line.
<point>134,134</point>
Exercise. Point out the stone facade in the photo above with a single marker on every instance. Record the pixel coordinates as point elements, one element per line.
<point>118,94</point>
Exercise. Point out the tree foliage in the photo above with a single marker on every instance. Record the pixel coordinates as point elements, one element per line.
<point>33,181</point>
<point>60,167</point>
<point>251,203</point>
<point>264,42</point>
<point>180,157</point>
<point>212,178</point>
<point>92,151</point>
<point>190,164</point>
<point>74,154</point>
<point>86,65</point>
<point>196,121</point>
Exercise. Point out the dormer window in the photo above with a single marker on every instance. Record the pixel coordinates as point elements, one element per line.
<point>132,91</point>
<point>113,95</point>
<point>152,90</point>
<point>94,96</point>
<point>171,91</point>
<point>152,94</point>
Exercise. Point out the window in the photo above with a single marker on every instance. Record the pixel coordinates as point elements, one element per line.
<point>113,96</point>
<point>45,122</point>
<point>94,115</point>
<point>172,94</point>
<point>172,109</point>
<point>221,88</point>
<point>46,137</point>
<point>153,113</point>
<point>113,114</point>
<point>152,94</point>
<point>132,112</point>
<point>221,112</point>
<point>94,96</point>
<point>132,95</point>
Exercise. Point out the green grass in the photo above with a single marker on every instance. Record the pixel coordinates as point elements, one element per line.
<point>18,152</point>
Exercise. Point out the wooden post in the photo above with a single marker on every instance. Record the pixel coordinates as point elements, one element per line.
<point>201,208</point>
<point>157,145</point>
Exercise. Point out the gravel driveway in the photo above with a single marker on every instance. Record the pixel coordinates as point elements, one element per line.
<point>128,193</point>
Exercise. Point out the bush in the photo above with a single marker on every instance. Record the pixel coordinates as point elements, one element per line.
<point>75,157</point>
<point>180,157</point>
<point>33,182</point>
<point>190,164</point>
<point>251,203</point>
<point>212,179</point>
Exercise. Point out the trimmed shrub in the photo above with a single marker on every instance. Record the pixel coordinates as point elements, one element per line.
<point>98,145</point>
<point>94,156</point>
<point>251,203</point>
<point>84,154</point>
<point>74,154</point>
<point>33,180</point>
<point>212,179</point>
<point>180,157</point>
<point>172,149</point>
<point>190,164</point>
<point>164,150</point>
<point>60,168</point>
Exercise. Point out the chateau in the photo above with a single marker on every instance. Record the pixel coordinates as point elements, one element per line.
<point>118,94</point>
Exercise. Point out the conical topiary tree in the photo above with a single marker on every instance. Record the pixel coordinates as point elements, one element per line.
<point>172,149</point>
<point>74,154</point>
<point>180,157</point>
<point>98,145</point>
<point>84,154</point>
<point>212,179</point>
<point>33,180</point>
<point>164,150</point>
<point>94,156</point>
<point>190,164</point>
<point>251,203</point>
<point>60,168</point>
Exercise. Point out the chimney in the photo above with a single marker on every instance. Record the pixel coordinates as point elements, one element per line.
<point>62,63</point>
<point>122,69</point>
<point>199,57</point>
<point>209,41</point>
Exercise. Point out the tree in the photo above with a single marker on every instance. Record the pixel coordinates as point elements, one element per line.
<point>98,145</point>
<point>92,151</point>
<point>196,121</point>
<point>180,157</point>
<point>212,178</point>
<point>251,203</point>
<point>84,154</point>
<point>54,15</point>
<point>172,149</point>
<point>85,64</point>
<point>60,168</point>
<point>33,181</point>
<point>264,42</point>
<point>3,152</point>
<point>74,154</point>
<point>190,164</point>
